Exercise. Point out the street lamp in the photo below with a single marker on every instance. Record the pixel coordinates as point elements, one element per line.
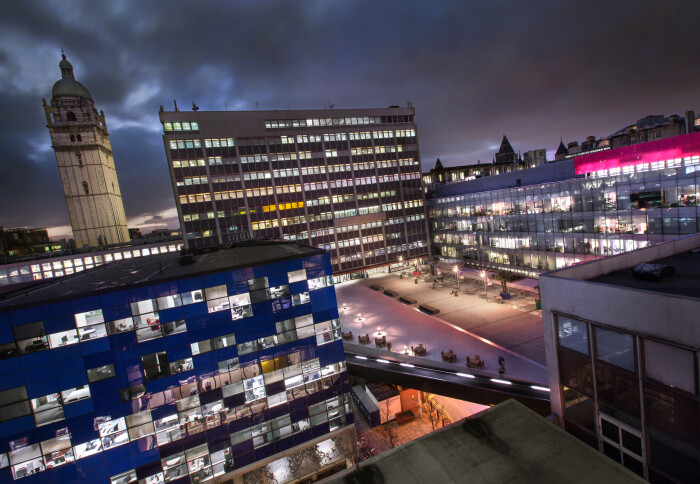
<point>482,274</point>
<point>455,269</point>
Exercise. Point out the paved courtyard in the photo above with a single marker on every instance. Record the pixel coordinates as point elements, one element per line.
<point>467,324</point>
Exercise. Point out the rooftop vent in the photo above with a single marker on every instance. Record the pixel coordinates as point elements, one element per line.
<point>652,272</point>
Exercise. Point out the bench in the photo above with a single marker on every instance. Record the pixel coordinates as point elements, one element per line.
<point>407,300</point>
<point>390,292</point>
<point>428,309</point>
<point>377,287</point>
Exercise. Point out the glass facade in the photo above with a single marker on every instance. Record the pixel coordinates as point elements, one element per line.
<point>350,185</point>
<point>633,397</point>
<point>628,205</point>
<point>183,379</point>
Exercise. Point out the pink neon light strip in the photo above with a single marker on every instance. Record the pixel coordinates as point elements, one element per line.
<point>659,150</point>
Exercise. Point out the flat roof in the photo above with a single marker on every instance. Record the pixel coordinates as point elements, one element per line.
<point>507,443</point>
<point>685,282</point>
<point>142,271</point>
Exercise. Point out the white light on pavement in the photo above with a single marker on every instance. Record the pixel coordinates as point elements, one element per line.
<point>381,361</point>
<point>465,375</point>
<point>407,365</point>
<point>542,389</point>
<point>360,357</point>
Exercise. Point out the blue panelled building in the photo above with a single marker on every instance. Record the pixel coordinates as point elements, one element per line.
<point>226,366</point>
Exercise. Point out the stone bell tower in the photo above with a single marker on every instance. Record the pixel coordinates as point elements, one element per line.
<point>84,154</point>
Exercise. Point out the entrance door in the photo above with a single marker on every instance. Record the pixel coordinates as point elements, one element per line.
<point>622,443</point>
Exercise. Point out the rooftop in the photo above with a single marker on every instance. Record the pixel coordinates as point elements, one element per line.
<point>683,254</point>
<point>507,443</point>
<point>154,269</point>
<point>685,281</point>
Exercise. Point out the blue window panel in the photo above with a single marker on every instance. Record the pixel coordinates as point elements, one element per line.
<point>95,346</point>
<point>302,437</point>
<point>172,314</point>
<point>205,360</point>
<point>140,294</point>
<point>118,466</point>
<point>300,414</point>
<point>152,346</point>
<point>100,359</point>
<point>123,346</point>
<point>104,401</point>
<point>314,267</point>
<point>218,439</point>
<point>145,451</point>
<point>321,429</point>
<point>278,411</point>
<point>116,453</point>
<point>78,408</point>
<point>243,453</point>
<point>5,474</point>
<point>61,308</point>
<point>84,426</point>
<point>63,473</point>
<point>120,311</point>
<point>112,299</point>
<point>217,279</point>
<point>10,370</point>
<point>5,320</point>
<point>284,444</point>
<point>349,418</point>
<point>163,411</point>
<point>276,275</point>
<point>177,341</point>
<point>36,389</point>
<point>196,322</point>
<point>17,425</point>
<point>75,366</point>
<point>226,353</point>
<point>56,325</point>
<point>38,374</point>
<point>265,451</point>
<point>66,353</point>
<point>84,304</point>
<point>238,283</point>
<point>33,360</point>
<point>165,289</point>
<point>22,316</point>
<point>179,353</point>
<point>93,466</point>
<point>193,284</point>
<point>325,315</point>
<point>314,398</point>
<point>71,380</point>
<point>330,353</point>
<point>297,287</point>
<point>6,335</point>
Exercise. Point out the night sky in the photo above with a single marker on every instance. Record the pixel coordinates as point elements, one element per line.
<point>474,70</point>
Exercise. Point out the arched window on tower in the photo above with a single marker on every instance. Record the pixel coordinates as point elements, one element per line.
<point>85,187</point>
<point>79,157</point>
<point>70,116</point>
<point>72,138</point>
<point>78,137</point>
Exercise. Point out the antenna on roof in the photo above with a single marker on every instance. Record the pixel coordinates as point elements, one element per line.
<point>175,102</point>
<point>195,108</point>
<point>258,107</point>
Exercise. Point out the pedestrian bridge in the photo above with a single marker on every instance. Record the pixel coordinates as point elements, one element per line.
<point>445,379</point>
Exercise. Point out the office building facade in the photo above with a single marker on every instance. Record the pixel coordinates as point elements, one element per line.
<point>80,139</point>
<point>623,353</point>
<point>567,212</point>
<point>228,369</point>
<point>346,180</point>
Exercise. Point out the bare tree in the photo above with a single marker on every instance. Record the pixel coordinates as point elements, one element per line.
<point>388,428</point>
<point>431,409</point>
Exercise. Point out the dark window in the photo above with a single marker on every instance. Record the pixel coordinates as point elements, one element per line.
<point>85,187</point>
<point>575,371</point>
<point>70,116</point>
<point>155,366</point>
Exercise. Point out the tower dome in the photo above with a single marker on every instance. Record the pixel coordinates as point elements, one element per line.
<point>67,85</point>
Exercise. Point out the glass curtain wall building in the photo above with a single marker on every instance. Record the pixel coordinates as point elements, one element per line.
<point>346,180</point>
<point>156,371</point>
<point>614,201</point>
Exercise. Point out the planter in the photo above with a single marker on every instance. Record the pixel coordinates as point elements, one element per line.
<point>505,295</point>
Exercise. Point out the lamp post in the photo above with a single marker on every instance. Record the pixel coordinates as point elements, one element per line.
<point>455,269</point>
<point>482,274</point>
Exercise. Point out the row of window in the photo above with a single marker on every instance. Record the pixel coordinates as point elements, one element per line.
<point>183,126</point>
<point>316,122</point>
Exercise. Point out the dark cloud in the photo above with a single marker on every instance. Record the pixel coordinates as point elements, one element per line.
<point>536,71</point>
